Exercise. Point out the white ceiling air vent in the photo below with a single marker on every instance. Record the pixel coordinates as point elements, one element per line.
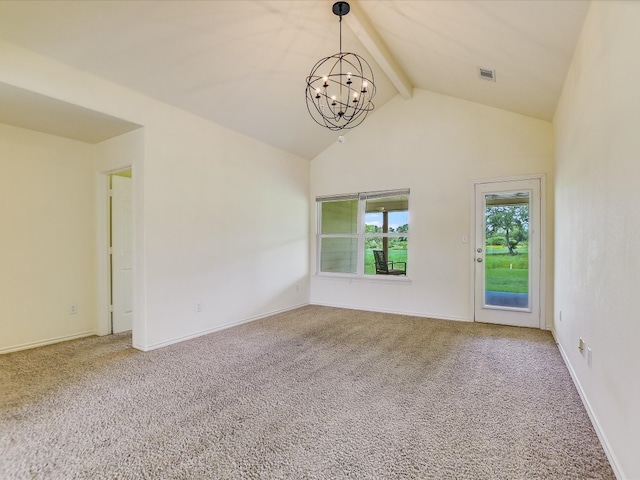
<point>487,74</point>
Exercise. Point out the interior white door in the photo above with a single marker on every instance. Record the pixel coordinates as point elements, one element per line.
<point>122,253</point>
<point>508,252</point>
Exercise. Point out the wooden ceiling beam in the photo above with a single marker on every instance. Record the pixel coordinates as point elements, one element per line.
<point>362,28</point>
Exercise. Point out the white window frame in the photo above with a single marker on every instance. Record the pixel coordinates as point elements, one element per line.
<point>360,234</point>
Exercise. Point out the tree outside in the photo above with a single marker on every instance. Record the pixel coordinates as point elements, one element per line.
<point>507,259</point>
<point>508,224</point>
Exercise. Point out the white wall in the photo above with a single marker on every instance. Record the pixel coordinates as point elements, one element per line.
<point>597,125</point>
<point>48,238</point>
<point>220,219</point>
<point>226,225</point>
<point>437,146</point>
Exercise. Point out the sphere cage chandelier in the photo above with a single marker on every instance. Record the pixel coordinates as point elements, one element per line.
<point>340,88</point>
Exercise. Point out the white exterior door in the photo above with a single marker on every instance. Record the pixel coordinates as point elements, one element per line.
<point>508,252</point>
<point>122,253</point>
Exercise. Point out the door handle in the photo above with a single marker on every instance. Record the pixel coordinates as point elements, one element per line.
<point>479,260</point>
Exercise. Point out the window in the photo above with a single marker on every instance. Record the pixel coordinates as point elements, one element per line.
<point>351,227</point>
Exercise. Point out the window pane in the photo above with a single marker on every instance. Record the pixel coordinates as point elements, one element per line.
<point>395,252</point>
<point>507,250</point>
<point>399,221</point>
<point>339,255</point>
<point>339,217</point>
<point>387,214</point>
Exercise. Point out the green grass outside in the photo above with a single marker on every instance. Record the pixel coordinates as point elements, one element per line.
<point>504,272</point>
<point>507,273</point>
<point>370,264</point>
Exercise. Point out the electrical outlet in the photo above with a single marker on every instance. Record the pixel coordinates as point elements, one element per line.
<point>581,345</point>
<point>589,357</point>
<point>73,309</point>
<point>198,307</point>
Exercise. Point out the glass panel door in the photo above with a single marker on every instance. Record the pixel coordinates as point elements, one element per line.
<point>507,253</point>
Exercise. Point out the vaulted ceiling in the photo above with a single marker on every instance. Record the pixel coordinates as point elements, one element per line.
<point>243,63</point>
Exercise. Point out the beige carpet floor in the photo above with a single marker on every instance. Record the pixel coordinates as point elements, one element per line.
<point>314,393</point>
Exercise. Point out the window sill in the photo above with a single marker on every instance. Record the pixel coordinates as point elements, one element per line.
<point>345,277</point>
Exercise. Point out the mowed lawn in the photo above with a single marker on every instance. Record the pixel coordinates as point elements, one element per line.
<point>504,272</point>
<point>507,273</point>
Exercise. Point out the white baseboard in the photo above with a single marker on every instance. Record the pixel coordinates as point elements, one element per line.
<point>594,420</point>
<point>42,343</point>
<point>395,312</point>
<point>216,329</point>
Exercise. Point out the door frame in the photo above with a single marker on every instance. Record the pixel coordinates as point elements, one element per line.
<point>103,228</point>
<point>542,324</point>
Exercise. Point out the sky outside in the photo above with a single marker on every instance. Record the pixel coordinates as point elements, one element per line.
<point>396,219</point>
